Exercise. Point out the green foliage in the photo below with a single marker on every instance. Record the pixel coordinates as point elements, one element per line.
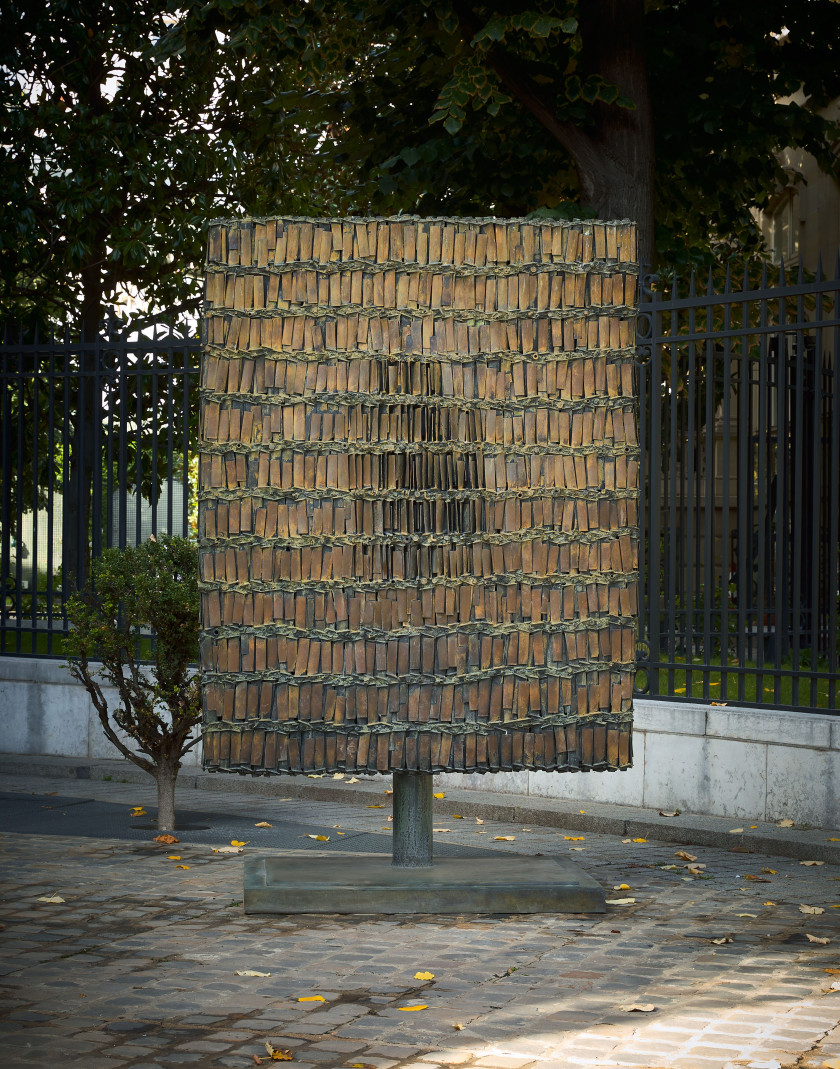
<point>153,586</point>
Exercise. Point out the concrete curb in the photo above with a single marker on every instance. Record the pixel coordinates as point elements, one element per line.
<point>693,829</point>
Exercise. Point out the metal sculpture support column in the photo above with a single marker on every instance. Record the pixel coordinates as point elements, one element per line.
<point>412,844</point>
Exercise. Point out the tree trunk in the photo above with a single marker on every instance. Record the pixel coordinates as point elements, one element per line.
<point>619,184</point>
<point>166,773</point>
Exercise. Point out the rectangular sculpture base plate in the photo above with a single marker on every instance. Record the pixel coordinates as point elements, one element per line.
<point>371,884</point>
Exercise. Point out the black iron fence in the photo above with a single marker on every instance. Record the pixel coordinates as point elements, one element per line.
<point>740,410</point>
<point>95,451</point>
<point>739,398</point>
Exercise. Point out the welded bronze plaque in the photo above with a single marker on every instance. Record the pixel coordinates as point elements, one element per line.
<point>418,495</point>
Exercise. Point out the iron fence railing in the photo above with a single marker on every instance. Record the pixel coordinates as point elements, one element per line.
<point>740,413</point>
<point>95,451</point>
<point>739,404</point>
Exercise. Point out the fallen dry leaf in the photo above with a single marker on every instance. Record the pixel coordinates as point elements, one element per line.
<point>769,872</point>
<point>457,816</point>
<point>311,998</point>
<point>226,849</point>
<point>817,939</point>
<point>138,811</point>
<point>695,870</point>
<point>769,903</point>
<point>620,901</point>
<point>685,856</point>
<point>815,910</point>
<point>251,972</point>
<point>338,775</point>
<point>263,824</point>
<point>55,899</point>
<point>834,972</point>
<point>478,820</point>
<point>638,840</point>
<point>574,838</point>
<point>638,1007</point>
<point>182,866</point>
<point>439,794</point>
<point>377,806</point>
<point>440,829</point>
<point>238,842</point>
<point>735,831</point>
<point>458,1027</point>
<point>362,1065</point>
<point>315,775</point>
<point>504,838</point>
<point>746,914</point>
<point>319,838</point>
<point>756,879</point>
<point>785,824</point>
<point>173,857</point>
<point>811,862</point>
<point>834,840</point>
<point>170,840</point>
<point>388,790</point>
<point>621,887</point>
<point>674,813</point>
<point>724,939</point>
<point>408,1009</point>
<point>575,849</point>
<point>424,976</point>
<point>354,779</point>
<point>275,1053</point>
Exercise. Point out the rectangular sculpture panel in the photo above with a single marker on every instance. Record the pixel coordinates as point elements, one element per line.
<point>418,495</point>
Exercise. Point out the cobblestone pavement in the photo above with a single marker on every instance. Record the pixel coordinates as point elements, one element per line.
<point>137,967</point>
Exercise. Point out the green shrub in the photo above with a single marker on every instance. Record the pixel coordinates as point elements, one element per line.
<point>150,587</point>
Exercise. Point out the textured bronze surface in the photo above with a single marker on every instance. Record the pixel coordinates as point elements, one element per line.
<point>418,495</point>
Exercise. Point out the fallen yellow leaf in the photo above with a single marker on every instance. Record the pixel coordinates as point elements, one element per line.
<point>504,838</point>
<point>424,976</point>
<point>377,806</point>
<point>785,823</point>
<point>251,972</point>
<point>341,833</point>
<point>319,838</point>
<point>173,857</point>
<point>639,840</point>
<point>311,998</point>
<point>338,775</point>
<point>574,838</point>
<point>170,840</point>
<point>769,903</point>
<point>237,842</point>
<point>834,840</point>
<point>769,872</point>
<point>263,824</point>
<point>457,816</point>
<point>685,856</point>
<point>408,1009</point>
<point>753,827</point>
<point>182,866</point>
<point>735,831</point>
<point>582,811</point>
<point>440,794</point>
<point>458,1027</point>
<point>621,887</point>
<point>138,811</point>
<point>832,1063</point>
<point>275,1053</point>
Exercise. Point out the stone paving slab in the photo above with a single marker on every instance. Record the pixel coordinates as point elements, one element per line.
<point>137,968</point>
<point>800,842</point>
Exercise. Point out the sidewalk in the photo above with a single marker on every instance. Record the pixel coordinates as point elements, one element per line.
<point>138,967</point>
<point>800,842</point>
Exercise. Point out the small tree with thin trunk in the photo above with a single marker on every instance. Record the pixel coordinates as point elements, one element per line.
<point>150,588</point>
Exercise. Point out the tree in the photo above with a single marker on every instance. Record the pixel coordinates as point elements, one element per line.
<point>150,587</point>
<point>666,111</point>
